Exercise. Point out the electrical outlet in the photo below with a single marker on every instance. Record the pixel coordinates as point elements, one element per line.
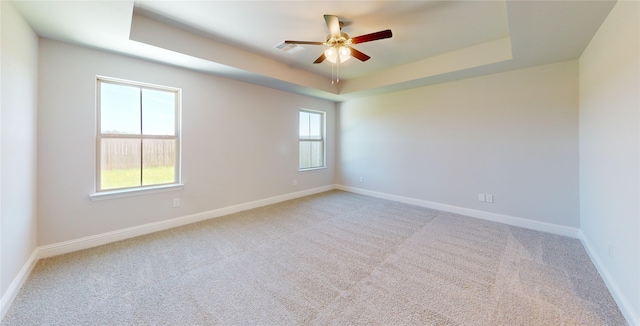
<point>176,202</point>
<point>610,250</point>
<point>295,182</point>
<point>481,197</point>
<point>361,179</point>
<point>489,198</point>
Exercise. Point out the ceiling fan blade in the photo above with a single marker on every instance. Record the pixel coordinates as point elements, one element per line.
<point>372,37</point>
<point>333,24</point>
<point>320,59</point>
<point>303,42</point>
<point>359,55</point>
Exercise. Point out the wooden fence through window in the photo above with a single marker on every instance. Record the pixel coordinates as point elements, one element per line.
<point>120,153</point>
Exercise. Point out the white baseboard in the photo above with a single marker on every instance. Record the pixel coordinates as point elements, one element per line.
<point>506,219</point>
<point>113,236</point>
<point>623,303</point>
<point>108,237</point>
<point>16,284</point>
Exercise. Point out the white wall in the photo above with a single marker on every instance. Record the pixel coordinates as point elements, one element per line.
<point>18,112</point>
<point>610,150</point>
<point>512,134</point>
<point>239,143</point>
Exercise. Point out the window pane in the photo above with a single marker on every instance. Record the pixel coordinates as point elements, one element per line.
<point>158,159</point>
<point>304,125</point>
<point>305,156</point>
<point>315,126</point>
<point>120,163</point>
<point>119,109</point>
<point>311,154</point>
<point>317,151</point>
<point>158,112</point>
<point>310,125</point>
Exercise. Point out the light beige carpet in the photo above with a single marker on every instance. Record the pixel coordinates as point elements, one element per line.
<point>335,258</point>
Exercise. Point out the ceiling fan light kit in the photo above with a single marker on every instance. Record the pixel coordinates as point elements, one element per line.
<point>339,44</point>
<point>338,55</point>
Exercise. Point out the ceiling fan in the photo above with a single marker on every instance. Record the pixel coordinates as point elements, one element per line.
<point>340,43</point>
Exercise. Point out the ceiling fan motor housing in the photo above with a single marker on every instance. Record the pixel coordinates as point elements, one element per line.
<point>344,39</point>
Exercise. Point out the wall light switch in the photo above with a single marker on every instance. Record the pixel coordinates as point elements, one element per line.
<point>481,197</point>
<point>489,198</point>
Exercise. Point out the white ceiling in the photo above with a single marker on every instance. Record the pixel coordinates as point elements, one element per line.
<point>433,41</point>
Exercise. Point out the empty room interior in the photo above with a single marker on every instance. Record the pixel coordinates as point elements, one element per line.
<point>320,162</point>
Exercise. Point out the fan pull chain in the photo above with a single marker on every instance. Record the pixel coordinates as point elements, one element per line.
<point>337,79</point>
<point>332,79</point>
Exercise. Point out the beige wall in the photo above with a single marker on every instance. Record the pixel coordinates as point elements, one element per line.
<point>610,152</point>
<point>240,144</point>
<point>512,134</point>
<point>18,112</point>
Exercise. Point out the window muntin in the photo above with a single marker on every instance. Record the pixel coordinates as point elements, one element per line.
<point>137,135</point>
<point>312,144</point>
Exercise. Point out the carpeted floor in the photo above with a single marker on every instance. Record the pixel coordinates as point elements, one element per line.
<point>334,258</point>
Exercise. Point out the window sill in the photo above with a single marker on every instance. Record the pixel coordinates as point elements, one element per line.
<point>312,169</point>
<point>134,192</point>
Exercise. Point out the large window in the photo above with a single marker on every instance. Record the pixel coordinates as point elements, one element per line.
<point>138,135</point>
<point>312,147</point>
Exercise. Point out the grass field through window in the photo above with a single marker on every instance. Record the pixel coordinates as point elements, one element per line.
<point>123,178</point>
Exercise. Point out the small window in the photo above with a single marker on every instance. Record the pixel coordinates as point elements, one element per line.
<point>138,135</point>
<point>312,148</point>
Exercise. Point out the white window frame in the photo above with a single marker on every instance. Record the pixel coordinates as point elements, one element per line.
<point>141,189</point>
<point>322,139</point>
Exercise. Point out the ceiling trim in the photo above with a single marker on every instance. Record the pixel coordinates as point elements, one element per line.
<point>274,74</point>
<point>467,58</point>
<point>175,33</point>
